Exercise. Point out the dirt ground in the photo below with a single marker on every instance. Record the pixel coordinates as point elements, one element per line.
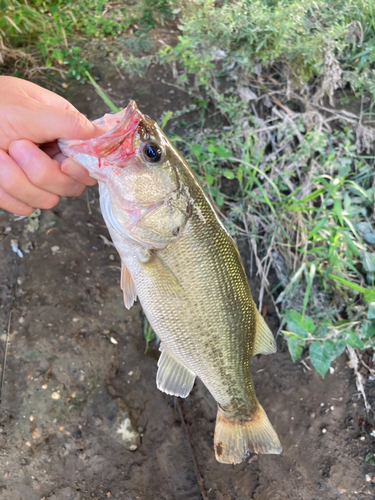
<point>81,417</point>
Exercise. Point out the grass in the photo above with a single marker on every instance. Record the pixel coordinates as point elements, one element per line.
<point>58,34</point>
<point>290,169</point>
<point>300,170</point>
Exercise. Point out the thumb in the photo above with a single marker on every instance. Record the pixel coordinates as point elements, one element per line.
<point>57,123</point>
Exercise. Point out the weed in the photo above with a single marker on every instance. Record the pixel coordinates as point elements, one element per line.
<point>299,188</point>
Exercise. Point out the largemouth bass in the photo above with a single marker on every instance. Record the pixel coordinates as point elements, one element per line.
<point>180,261</point>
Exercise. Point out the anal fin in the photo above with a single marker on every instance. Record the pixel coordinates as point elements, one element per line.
<point>173,377</point>
<point>264,342</point>
<point>127,286</point>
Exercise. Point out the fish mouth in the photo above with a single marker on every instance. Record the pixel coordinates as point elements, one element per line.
<point>113,146</point>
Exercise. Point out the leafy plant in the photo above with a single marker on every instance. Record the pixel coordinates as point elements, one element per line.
<point>300,191</point>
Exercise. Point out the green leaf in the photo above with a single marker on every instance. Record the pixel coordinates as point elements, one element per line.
<point>299,325</point>
<point>367,330</point>
<point>354,341</point>
<point>322,354</point>
<point>370,238</point>
<point>228,174</point>
<point>318,358</point>
<point>369,294</point>
<point>338,210</point>
<point>333,348</point>
<point>350,284</point>
<point>322,329</point>
<point>317,227</point>
<point>368,261</point>
<point>220,200</point>
<point>210,180</point>
<point>166,118</point>
<point>197,150</point>
<point>295,348</point>
<point>371,310</point>
<point>102,94</point>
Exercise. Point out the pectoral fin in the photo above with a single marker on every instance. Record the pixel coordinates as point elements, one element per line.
<point>173,377</point>
<point>264,342</point>
<point>162,276</point>
<point>127,286</point>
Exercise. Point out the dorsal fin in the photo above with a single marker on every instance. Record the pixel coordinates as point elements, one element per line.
<point>173,377</point>
<point>127,286</point>
<point>264,342</point>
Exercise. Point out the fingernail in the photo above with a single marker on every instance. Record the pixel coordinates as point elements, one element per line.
<point>20,151</point>
<point>71,168</point>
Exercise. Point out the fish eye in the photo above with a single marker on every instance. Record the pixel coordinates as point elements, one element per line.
<point>152,152</point>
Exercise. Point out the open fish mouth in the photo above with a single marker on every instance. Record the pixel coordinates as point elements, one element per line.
<point>113,147</point>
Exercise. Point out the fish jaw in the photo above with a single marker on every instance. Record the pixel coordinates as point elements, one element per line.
<point>114,148</point>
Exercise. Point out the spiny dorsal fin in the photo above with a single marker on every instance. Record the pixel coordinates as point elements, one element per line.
<point>173,377</point>
<point>264,342</point>
<point>127,286</point>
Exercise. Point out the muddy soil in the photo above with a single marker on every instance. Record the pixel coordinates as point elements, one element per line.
<point>81,417</point>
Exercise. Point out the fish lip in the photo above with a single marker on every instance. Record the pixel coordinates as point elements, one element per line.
<point>116,139</point>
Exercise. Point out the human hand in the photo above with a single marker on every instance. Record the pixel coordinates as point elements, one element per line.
<point>33,171</point>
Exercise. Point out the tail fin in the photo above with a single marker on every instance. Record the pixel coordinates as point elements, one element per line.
<point>235,438</point>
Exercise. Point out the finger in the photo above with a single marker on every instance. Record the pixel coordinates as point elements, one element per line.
<point>68,166</point>
<point>34,91</point>
<point>15,182</point>
<point>12,205</point>
<point>43,171</point>
<point>40,123</point>
<point>74,170</point>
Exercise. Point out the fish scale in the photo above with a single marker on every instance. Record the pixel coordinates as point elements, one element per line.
<point>185,269</point>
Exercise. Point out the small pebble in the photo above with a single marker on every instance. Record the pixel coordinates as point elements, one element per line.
<point>21,320</point>
<point>74,394</point>
<point>55,249</point>
<point>55,395</point>
<point>322,404</point>
<point>35,434</point>
<point>31,418</point>
<point>113,340</point>
<point>44,386</point>
<point>362,438</point>
<point>331,408</point>
<point>368,478</point>
<point>324,431</point>
<point>61,428</point>
<point>130,373</point>
<point>28,443</point>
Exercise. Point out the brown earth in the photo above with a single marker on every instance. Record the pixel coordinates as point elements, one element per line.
<point>81,417</point>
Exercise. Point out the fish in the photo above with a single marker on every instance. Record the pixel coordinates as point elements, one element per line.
<point>179,260</point>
